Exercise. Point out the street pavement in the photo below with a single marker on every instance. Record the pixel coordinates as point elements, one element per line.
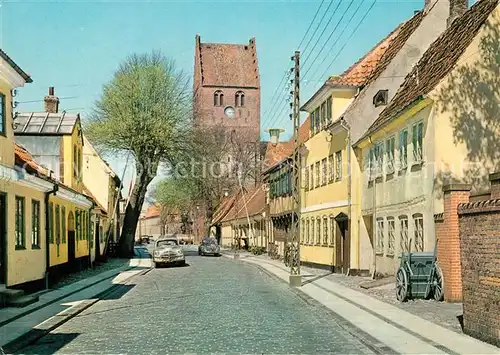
<point>212,305</point>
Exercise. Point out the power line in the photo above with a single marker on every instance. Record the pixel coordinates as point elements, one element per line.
<point>319,23</point>
<point>323,31</point>
<point>310,25</point>
<point>331,34</point>
<point>33,101</point>
<point>349,38</point>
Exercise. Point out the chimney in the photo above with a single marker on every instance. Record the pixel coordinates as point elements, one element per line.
<point>457,9</point>
<point>51,101</point>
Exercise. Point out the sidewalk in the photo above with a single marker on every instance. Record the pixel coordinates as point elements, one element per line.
<point>16,322</point>
<point>398,329</point>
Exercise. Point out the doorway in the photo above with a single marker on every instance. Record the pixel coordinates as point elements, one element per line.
<point>343,241</point>
<point>3,238</point>
<point>71,238</point>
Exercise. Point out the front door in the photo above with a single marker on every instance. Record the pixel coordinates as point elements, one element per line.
<point>71,246</point>
<point>343,243</point>
<point>3,238</point>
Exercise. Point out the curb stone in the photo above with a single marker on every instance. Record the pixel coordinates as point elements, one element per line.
<point>52,323</point>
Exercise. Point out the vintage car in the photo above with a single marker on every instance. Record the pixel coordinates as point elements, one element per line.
<point>209,246</point>
<point>168,251</point>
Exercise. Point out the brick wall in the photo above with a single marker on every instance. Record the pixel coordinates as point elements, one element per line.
<point>479,228</point>
<point>448,241</point>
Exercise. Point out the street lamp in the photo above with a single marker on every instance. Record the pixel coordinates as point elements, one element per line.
<point>274,134</point>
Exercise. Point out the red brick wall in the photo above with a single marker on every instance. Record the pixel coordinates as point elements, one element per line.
<point>480,254</point>
<point>448,247</point>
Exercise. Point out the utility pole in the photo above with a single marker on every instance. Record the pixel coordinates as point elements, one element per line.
<point>295,277</point>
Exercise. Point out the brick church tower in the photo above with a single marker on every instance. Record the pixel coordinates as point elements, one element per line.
<point>227,86</point>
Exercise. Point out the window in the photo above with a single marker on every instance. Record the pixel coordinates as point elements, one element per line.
<point>338,166</point>
<point>75,162</point>
<point>379,158</point>
<point>302,230</point>
<point>307,232</point>
<point>369,167</point>
<point>325,231</point>
<point>323,170</point>
<point>306,178</point>
<point>323,114</point>
<point>20,227</point>
<point>51,223</point>
<point>318,174</point>
<point>317,120</point>
<point>329,109</point>
<point>239,99</point>
<point>63,224</point>
<point>389,148</point>
<point>318,232</point>
<point>332,230</point>
<point>418,221</point>
<point>391,235</point>
<point>77,225</point>
<point>404,244</point>
<point>58,228</point>
<point>418,131</point>
<point>79,165</point>
<point>312,231</point>
<point>91,235</point>
<point>84,226</point>
<point>403,146</point>
<point>381,98</point>
<point>2,114</point>
<point>311,171</point>
<point>380,235</point>
<point>101,234</point>
<point>218,98</point>
<point>331,170</point>
<point>35,224</point>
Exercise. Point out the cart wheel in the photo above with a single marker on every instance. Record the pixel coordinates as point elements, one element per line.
<point>438,284</point>
<point>402,285</point>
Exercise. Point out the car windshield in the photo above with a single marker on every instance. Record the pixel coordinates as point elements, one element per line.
<point>162,243</point>
<point>210,241</point>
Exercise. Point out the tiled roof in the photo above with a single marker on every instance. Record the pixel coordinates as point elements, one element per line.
<point>25,159</point>
<point>46,123</point>
<point>229,64</point>
<point>359,72</point>
<point>21,72</point>
<point>438,60</point>
<point>223,209</point>
<point>87,192</point>
<point>404,31</point>
<point>152,211</point>
<point>255,200</point>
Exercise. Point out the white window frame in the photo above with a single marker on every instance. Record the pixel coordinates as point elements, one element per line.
<point>418,225</point>
<point>331,169</point>
<point>338,165</point>
<point>332,231</point>
<point>317,241</point>
<point>418,142</point>
<point>403,149</point>
<point>391,235</point>
<point>380,236</point>
<point>323,171</point>
<point>404,244</point>
<point>325,231</point>
<point>390,147</point>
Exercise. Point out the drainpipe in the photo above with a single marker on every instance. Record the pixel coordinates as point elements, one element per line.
<point>347,128</point>
<point>374,218</point>
<point>47,236</point>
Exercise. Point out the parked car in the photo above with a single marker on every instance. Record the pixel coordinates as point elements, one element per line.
<point>168,251</point>
<point>209,246</point>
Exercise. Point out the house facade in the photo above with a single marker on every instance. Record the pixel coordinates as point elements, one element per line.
<point>433,133</point>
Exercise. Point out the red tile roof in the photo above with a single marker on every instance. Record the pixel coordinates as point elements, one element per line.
<point>439,59</point>
<point>152,211</point>
<point>255,201</point>
<point>229,64</point>
<point>358,73</point>
<point>25,160</point>
<point>223,209</point>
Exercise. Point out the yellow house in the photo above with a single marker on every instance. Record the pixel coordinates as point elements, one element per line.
<point>55,140</point>
<point>441,126</point>
<point>329,239</point>
<point>102,184</point>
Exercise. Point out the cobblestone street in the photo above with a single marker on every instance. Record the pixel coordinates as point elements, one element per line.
<point>213,305</point>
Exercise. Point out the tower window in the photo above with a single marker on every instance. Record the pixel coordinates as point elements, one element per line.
<point>218,98</point>
<point>239,99</point>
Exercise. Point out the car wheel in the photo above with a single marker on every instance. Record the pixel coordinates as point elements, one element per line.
<point>157,265</point>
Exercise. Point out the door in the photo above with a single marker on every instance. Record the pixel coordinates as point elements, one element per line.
<point>71,237</point>
<point>3,238</point>
<point>97,240</point>
<point>343,242</point>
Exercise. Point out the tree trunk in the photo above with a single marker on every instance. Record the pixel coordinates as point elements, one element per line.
<point>209,216</point>
<point>132,214</point>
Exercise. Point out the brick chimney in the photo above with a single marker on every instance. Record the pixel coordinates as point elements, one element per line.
<point>51,101</point>
<point>495,186</point>
<point>457,9</point>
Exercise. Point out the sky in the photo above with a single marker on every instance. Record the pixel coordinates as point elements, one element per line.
<point>76,46</point>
